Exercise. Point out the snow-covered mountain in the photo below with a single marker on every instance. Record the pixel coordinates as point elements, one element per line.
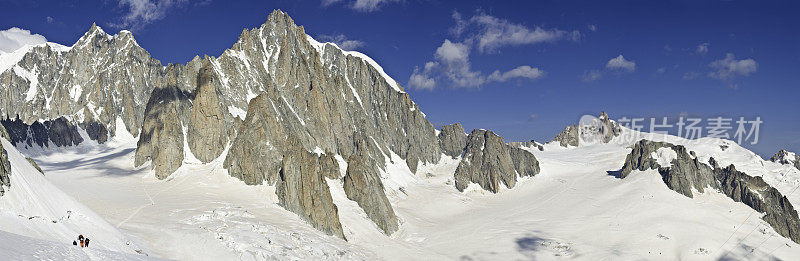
<point>286,148</point>
<point>30,206</point>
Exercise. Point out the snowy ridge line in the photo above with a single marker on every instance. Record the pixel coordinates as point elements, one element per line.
<point>320,47</point>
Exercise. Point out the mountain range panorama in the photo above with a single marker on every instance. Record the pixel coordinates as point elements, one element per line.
<point>281,109</point>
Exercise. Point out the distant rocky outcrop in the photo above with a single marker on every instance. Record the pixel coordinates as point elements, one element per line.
<point>600,129</point>
<point>528,144</point>
<point>786,158</point>
<point>60,131</point>
<point>5,170</point>
<point>453,140</point>
<point>686,173</point>
<point>488,161</point>
<point>302,189</point>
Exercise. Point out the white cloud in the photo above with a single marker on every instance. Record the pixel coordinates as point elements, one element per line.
<point>485,34</point>
<point>50,20</point>
<point>729,67</point>
<point>591,75</point>
<point>421,80</point>
<point>492,33</point>
<point>620,62</point>
<point>140,13</point>
<point>361,5</point>
<point>343,42</point>
<point>690,75</point>
<point>593,27</point>
<point>519,72</point>
<point>452,52</point>
<point>533,117</point>
<point>453,64</point>
<point>661,70</point>
<point>702,48</point>
<point>14,38</point>
<point>453,61</point>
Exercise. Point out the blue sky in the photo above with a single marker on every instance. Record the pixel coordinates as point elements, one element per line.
<point>524,69</point>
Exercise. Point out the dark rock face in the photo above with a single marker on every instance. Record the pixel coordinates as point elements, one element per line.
<point>62,133</point>
<point>302,189</point>
<point>59,131</point>
<point>162,139</point>
<point>5,170</point>
<point>488,162</point>
<point>787,158</point>
<point>453,140</point>
<point>687,173</point>
<point>363,185</point>
<point>206,134</point>
<point>96,131</point>
<point>524,162</point>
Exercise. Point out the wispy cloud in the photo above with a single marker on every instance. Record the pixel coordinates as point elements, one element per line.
<point>690,75</point>
<point>343,41</point>
<point>14,38</point>
<point>620,63</point>
<point>519,72</point>
<point>616,65</point>
<point>492,33</point>
<point>702,48</point>
<point>482,34</point>
<point>360,5</point>
<point>591,75</point>
<point>452,63</point>
<point>137,14</point>
<point>729,68</point>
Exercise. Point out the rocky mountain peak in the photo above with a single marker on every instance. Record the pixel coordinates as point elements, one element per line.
<point>787,158</point>
<point>589,130</point>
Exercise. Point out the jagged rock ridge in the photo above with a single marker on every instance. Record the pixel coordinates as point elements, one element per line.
<point>92,83</point>
<point>686,173</point>
<point>787,158</point>
<point>488,161</point>
<point>590,130</point>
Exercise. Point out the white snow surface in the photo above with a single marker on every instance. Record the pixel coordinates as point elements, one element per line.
<point>664,156</point>
<point>573,209</point>
<point>35,208</point>
<point>18,247</point>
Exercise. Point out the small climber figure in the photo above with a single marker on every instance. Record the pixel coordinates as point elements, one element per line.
<point>80,238</point>
<point>86,242</point>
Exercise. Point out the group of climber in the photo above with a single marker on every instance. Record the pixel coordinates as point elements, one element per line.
<point>84,241</point>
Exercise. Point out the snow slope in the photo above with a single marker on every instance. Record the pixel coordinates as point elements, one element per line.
<point>35,208</point>
<point>574,209</point>
<point>16,247</point>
